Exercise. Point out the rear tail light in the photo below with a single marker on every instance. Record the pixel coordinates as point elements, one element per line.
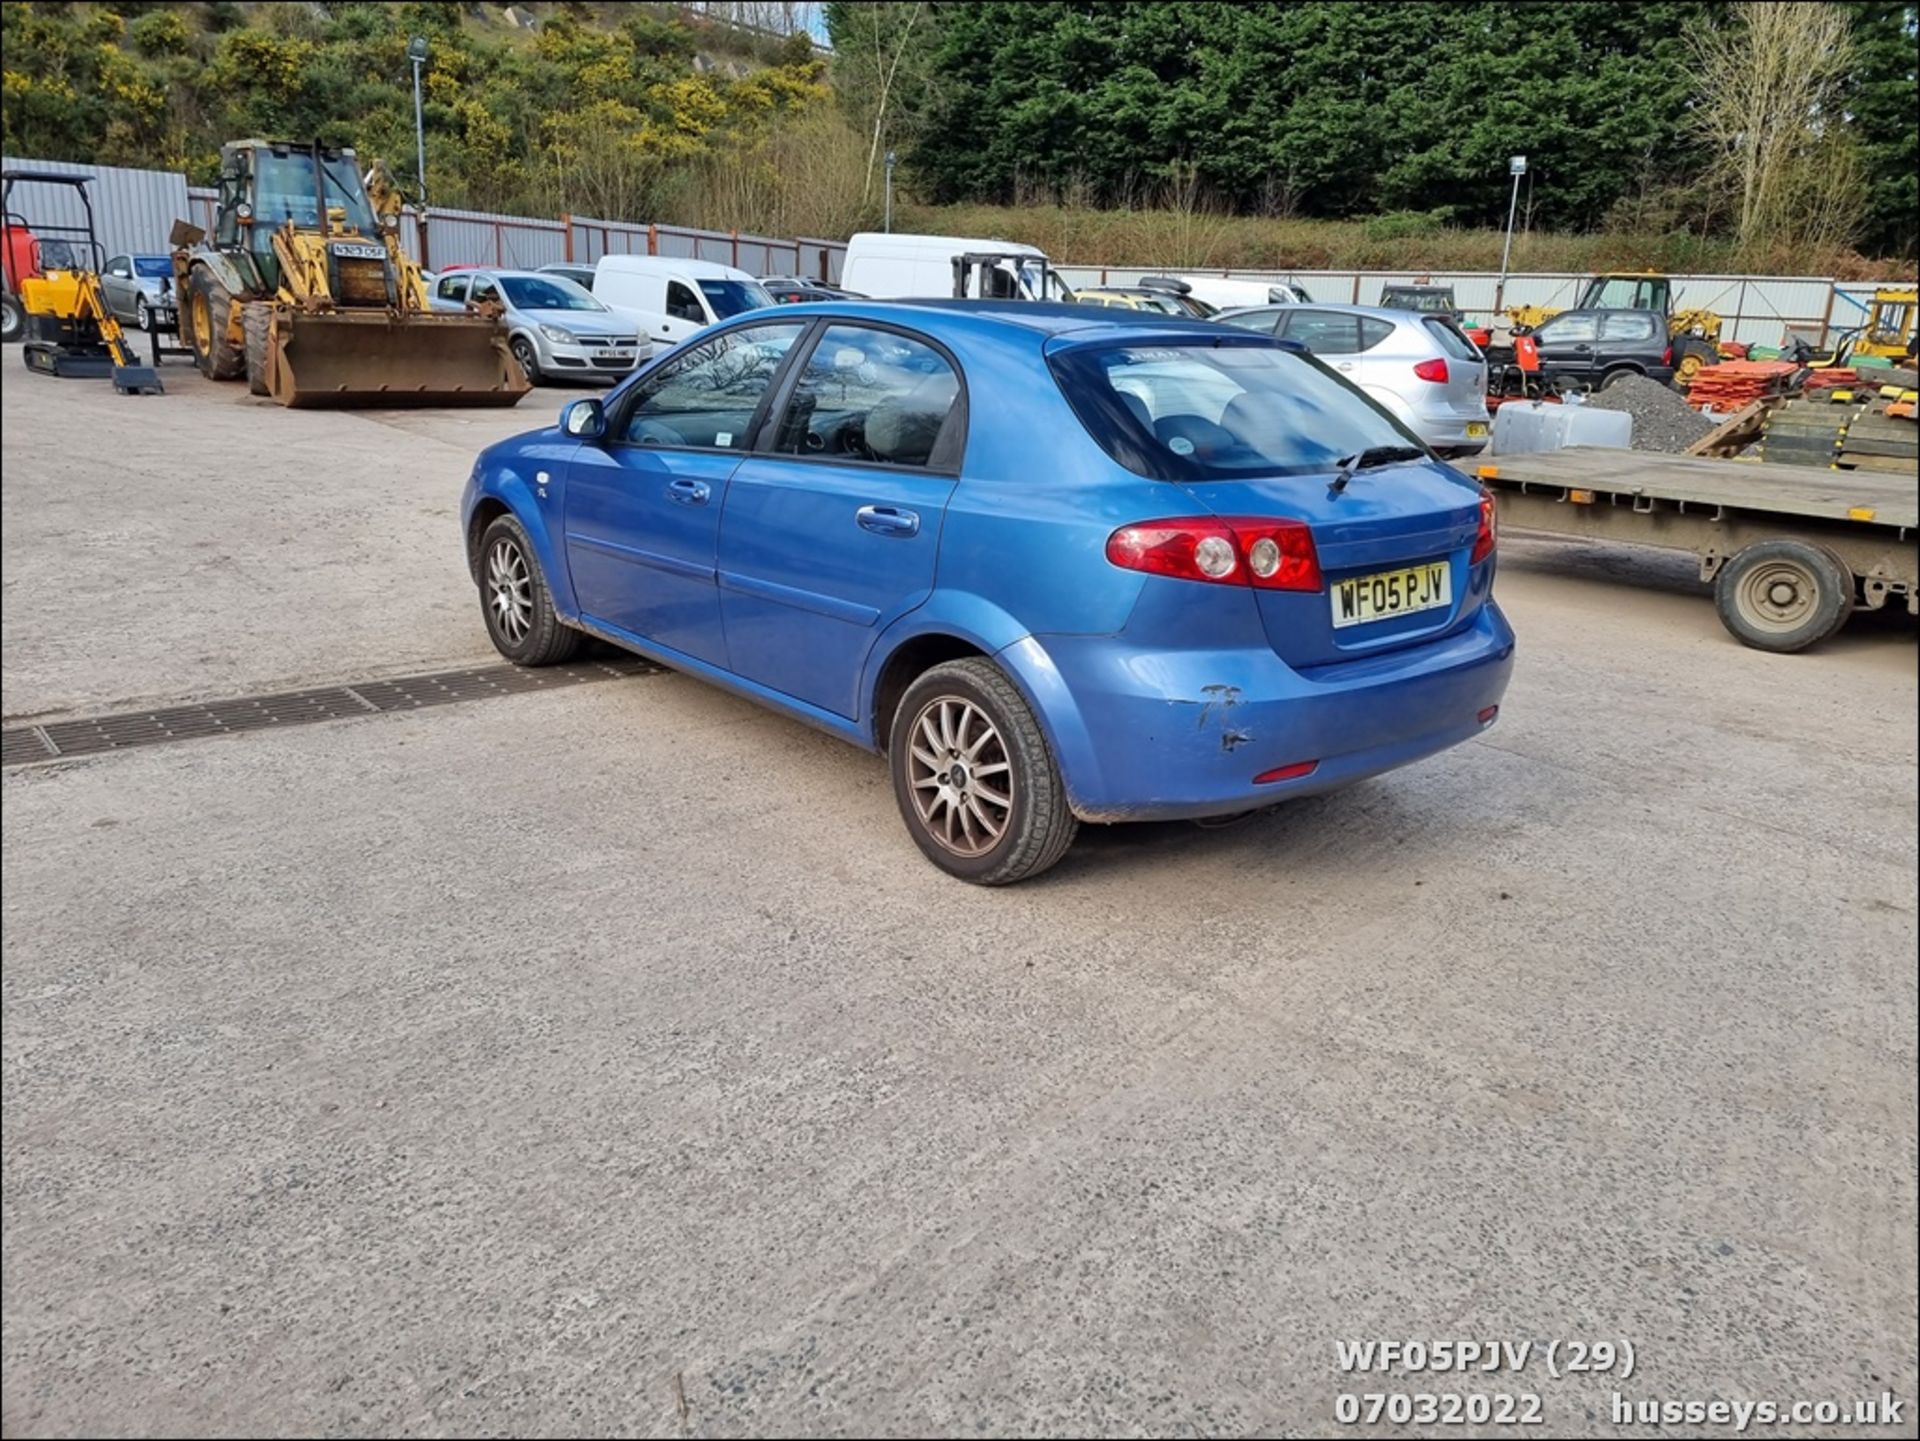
<point>1258,551</point>
<point>1434,370</point>
<point>1489,535</point>
<point>1666,356</point>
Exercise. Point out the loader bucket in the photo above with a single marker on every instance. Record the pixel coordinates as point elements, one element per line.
<point>375,359</point>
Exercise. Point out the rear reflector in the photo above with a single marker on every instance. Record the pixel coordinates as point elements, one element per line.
<point>1487,715</point>
<point>1286,773</point>
<point>1434,370</point>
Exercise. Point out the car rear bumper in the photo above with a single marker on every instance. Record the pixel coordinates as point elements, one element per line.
<point>1153,735</point>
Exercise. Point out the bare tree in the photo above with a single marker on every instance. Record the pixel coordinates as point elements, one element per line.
<point>1769,111</point>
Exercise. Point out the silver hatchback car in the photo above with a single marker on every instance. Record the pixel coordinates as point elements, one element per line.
<point>556,330</point>
<point>1422,368</point>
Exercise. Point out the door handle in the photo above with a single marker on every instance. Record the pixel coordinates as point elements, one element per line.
<point>690,492</point>
<point>1346,365</point>
<point>887,520</point>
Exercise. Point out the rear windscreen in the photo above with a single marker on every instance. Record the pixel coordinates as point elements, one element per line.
<point>1220,409</point>
<point>1452,339</point>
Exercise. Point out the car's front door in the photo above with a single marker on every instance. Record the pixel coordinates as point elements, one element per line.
<point>117,284</point>
<point>643,506</point>
<point>831,530</point>
<point>1567,347</point>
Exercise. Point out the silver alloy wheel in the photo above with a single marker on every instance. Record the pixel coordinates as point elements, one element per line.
<point>1778,595</point>
<point>510,591</point>
<point>961,776</point>
<point>142,317</point>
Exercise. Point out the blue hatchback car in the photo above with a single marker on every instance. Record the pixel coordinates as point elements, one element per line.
<point>1058,564</point>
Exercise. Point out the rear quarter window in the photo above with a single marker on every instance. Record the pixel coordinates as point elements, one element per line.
<point>1636,326</point>
<point>1373,331</point>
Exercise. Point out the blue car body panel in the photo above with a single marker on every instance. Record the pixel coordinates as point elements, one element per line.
<point>1161,697</point>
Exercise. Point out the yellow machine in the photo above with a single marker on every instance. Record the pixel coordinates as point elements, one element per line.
<point>70,331</point>
<point>305,290</point>
<point>1696,333</point>
<point>1889,328</point>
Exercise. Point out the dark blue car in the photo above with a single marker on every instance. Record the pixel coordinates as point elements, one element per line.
<point>1058,564</point>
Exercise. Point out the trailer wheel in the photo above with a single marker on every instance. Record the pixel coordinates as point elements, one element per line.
<point>1783,595</point>
<point>13,319</point>
<point>208,308</point>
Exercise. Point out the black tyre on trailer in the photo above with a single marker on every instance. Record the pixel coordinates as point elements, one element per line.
<point>1783,595</point>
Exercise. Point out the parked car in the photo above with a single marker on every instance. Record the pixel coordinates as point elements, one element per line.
<point>1224,294</point>
<point>1058,564</point>
<point>1421,367</point>
<point>139,290</point>
<point>580,275</point>
<point>669,299</point>
<point>789,290</point>
<point>554,328</point>
<point>1591,349</point>
<point>1163,299</point>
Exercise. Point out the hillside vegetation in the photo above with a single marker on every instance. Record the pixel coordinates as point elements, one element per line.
<point>1676,134</point>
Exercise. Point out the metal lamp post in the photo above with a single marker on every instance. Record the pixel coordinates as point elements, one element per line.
<point>417,53</point>
<point>888,225</point>
<point>1516,167</point>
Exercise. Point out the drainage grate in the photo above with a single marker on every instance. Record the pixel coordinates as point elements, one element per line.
<point>301,707</point>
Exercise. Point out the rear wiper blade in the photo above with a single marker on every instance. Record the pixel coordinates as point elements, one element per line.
<point>1366,459</point>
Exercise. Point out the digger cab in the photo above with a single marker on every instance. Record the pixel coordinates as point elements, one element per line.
<point>1628,291</point>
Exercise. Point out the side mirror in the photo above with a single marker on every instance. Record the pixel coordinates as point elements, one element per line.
<point>584,419</point>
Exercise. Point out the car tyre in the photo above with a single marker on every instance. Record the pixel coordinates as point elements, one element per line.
<point>1783,595</point>
<point>528,357</point>
<point>1618,374</point>
<point>515,601</point>
<point>142,317</point>
<point>974,777</point>
<point>13,319</point>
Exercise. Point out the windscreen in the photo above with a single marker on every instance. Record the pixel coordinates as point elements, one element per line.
<point>732,297</point>
<point>548,292</point>
<point>284,189</point>
<point>154,267</point>
<point>1220,410</point>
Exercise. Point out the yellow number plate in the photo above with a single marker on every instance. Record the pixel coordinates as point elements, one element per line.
<point>1392,592</point>
<point>1476,430</point>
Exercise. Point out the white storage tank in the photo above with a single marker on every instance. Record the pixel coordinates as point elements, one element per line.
<point>1524,425</point>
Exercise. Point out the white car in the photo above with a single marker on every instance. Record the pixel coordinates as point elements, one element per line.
<point>1422,368</point>
<point>669,299</point>
<point>555,329</point>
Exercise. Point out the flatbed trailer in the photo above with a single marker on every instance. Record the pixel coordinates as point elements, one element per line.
<point>1791,550</point>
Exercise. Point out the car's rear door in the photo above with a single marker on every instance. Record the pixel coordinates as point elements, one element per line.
<point>1567,346</point>
<point>643,506</point>
<point>831,529</point>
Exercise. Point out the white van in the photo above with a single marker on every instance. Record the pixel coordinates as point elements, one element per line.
<point>670,299</point>
<point>915,267</point>
<point>1227,294</point>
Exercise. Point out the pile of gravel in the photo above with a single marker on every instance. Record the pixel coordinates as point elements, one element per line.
<point>1662,419</point>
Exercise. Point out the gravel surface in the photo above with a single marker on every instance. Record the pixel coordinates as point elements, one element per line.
<point>1662,419</point>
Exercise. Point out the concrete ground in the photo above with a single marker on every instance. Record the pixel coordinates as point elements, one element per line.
<point>608,1060</point>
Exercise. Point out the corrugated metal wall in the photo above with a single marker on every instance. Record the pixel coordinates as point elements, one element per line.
<point>133,210</point>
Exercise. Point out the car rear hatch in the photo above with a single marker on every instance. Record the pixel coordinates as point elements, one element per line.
<point>1395,520</point>
<point>1464,391</point>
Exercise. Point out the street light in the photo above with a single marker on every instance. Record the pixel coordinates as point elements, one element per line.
<point>888,225</point>
<point>1516,167</point>
<point>417,53</point>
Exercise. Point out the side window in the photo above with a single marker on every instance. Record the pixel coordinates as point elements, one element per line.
<point>453,287</point>
<point>1570,329</point>
<point>120,266</point>
<point>1630,325</point>
<point>1267,322</point>
<point>683,304</point>
<point>1373,331</point>
<point>1325,332</point>
<point>871,395</point>
<point>705,397</point>
<point>484,289</point>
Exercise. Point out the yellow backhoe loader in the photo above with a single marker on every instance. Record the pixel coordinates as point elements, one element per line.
<point>304,289</point>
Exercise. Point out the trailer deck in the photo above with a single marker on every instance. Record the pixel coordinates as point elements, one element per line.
<point>1791,550</point>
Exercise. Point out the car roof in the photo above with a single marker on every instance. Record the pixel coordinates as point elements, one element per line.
<point>505,274</point>
<point>1379,312</point>
<point>1043,318</point>
<point>699,269</point>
